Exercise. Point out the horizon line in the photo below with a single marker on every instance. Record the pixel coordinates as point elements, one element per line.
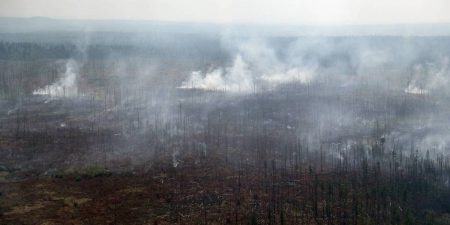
<point>218,23</point>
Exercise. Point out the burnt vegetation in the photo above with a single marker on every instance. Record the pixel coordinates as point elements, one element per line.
<point>122,143</point>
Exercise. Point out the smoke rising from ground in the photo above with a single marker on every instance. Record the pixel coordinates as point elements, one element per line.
<point>429,76</point>
<point>65,86</point>
<point>348,69</point>
<point>319,91</point>
<point>282,109</point>
<point>258,64</point>
<point>254,67</point>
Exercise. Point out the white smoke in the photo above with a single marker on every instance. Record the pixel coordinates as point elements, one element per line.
<point>239,78</point>
<point>291,75</point>
<point>66,86</point>
<point>415,90</point>
<point>429,77</point>
<point>439,142</point>
<point>236,78</point>
<point>255,65</point>
<point>175,160</point>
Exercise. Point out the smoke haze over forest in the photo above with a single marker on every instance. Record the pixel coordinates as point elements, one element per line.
<point>170,121</point>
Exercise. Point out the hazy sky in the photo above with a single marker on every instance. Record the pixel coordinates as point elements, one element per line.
<point>239,11</point>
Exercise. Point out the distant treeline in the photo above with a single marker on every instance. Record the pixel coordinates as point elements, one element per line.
<point>110,46</point>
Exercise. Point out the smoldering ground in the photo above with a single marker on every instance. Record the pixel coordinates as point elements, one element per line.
<point>133,103</point>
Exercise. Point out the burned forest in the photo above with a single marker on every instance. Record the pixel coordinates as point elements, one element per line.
<point>180,123</point>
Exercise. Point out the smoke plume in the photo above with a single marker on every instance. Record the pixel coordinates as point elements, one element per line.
<point>66,86</point>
